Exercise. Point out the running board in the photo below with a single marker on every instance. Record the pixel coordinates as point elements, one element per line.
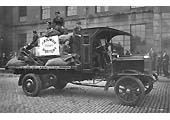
<point>86,84</point>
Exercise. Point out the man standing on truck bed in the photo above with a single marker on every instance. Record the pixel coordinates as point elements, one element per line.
<point>34,41</point>
<point>58,22</point>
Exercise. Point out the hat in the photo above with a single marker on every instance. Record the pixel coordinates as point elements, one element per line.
<point>79,23</point>
<point>34,31</point>
<point>58,12</point>
<point>48,22</point>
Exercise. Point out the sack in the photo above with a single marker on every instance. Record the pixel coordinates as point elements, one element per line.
<point>56,62</point>
<point>15,62</point>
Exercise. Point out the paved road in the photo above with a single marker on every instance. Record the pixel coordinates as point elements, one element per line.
<point>78,99</point>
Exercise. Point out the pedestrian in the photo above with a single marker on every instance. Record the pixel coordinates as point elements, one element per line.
<point>159,63</point>
<point>127,53</point>
<point>4,59</point>
<point>165,62</point>
<point>58,23</point>
<point>152,55</point>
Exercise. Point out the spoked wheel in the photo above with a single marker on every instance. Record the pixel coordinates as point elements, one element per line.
<point>129,90</point>
<point>31,84</point>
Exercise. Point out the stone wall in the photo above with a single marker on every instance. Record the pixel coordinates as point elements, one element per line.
<point>156,22</point>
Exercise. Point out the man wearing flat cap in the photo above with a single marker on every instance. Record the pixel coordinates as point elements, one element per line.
<point>77,29</point>
<point>58,22</point>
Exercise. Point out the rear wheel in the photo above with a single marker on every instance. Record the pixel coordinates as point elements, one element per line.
<point>31,84</point>
<point>129,90</point>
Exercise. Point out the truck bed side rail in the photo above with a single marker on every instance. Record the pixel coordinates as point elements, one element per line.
<point>43,67</point>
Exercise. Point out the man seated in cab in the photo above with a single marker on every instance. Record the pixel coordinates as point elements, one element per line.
<point>65,48</point>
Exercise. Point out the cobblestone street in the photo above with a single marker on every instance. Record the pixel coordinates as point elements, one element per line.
<point>78,99</point>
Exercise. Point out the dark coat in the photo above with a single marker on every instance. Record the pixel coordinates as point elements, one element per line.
<point>58,21</point>
<point>165,59</point>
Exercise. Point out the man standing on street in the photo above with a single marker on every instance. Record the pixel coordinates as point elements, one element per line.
<point>165,61</point>
<point>153,58</point>
<point>159,63</point>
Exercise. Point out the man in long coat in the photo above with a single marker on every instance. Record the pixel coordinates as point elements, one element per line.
<point>165,61</point>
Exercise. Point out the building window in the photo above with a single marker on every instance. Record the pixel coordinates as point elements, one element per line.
<point>138,31</point>
<point>98,9</point>
<point>106,8</point>
<point>139,35</point>
<point>22,39</point>
<point>71,10</point>
<point>45,12</point>
<point>102,9</point>
<point>22,13</point>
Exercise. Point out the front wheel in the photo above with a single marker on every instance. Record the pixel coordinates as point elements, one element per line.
<point>31,84</point>
<point>129,90</point>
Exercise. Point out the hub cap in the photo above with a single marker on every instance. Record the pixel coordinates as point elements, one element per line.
<point>29,85</point>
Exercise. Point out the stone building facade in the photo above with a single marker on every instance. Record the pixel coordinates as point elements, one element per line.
<point>150,25</point>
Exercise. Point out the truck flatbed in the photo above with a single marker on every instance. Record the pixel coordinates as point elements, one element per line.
<point>42,67</point>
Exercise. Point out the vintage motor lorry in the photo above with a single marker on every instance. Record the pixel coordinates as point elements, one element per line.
<point>130,76</point>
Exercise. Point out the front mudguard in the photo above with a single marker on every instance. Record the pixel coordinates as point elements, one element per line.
<point>144,77</point>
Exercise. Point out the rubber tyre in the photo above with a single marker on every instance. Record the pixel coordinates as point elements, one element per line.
<point>31,84</point>
<point>129,87</point>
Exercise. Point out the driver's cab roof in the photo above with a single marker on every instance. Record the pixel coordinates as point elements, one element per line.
<point>103,32</point>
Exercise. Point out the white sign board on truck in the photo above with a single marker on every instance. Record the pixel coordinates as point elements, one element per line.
<point>48,46</point>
